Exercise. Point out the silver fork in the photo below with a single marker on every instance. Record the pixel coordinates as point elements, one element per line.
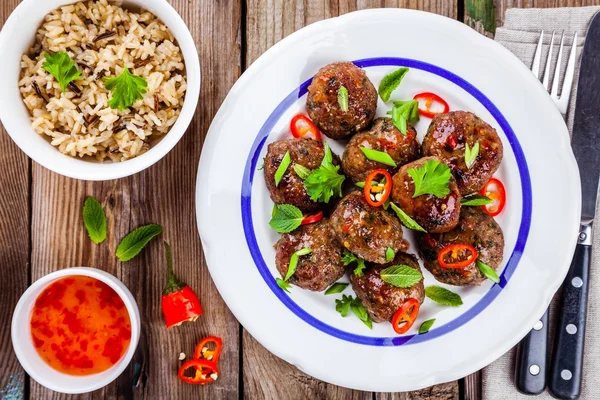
<point>531,366</point>
<point>562,101</point>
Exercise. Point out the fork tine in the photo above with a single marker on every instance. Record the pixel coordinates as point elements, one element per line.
<point>565,92</point>
<point>554,92</point>
<point>548,63</point>
<point>535,67</point>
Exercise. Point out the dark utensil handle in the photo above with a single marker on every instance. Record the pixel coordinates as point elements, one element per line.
<point>531,371</point>
<point>567,362</point>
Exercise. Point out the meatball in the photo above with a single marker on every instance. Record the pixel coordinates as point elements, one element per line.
<point>383,136</point>
<point>365,230</point>
<point>291,190</point>
<point>323,106</point>
<point>475,228</point>
<point>381,299</point>
<point>432,213</point>
<point>446,138</point>
<point>319,269</point>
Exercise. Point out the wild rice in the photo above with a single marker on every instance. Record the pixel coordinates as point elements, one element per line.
<point>79,122</point>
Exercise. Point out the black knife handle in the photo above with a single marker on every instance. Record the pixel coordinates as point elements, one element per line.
<point>567,362</point>
<point>531,371</point>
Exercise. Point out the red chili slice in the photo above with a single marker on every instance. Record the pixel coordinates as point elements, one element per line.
<point>429,99</point>
<point>311,219</point>
<point>458,255</point>
<point>202,371</point>
<point>301,126</point>
<point>406,316</point>
<point>204,350</point>
<point>373,190</point>
<point>498,195</point>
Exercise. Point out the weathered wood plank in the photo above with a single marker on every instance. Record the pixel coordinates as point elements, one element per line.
<point>268,21</point>
<point>163,194</point>
<point>14,245</point>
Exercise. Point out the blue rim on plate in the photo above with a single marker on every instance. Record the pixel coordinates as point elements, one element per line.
<point>471,313</point>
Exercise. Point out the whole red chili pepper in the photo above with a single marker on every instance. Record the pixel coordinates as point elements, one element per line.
<point>179,302</point>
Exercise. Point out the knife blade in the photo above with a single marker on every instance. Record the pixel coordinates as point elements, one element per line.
<point>567,362</point>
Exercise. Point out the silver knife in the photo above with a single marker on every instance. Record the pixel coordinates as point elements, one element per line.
<point>567,361</point>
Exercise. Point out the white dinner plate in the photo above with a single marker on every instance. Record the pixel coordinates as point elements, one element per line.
<point>540,221</point>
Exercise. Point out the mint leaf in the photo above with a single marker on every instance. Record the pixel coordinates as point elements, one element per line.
<point>389,254</point>
<point>426,326</point>
<point>471,154</point>
<point>325,181</point>
<point>126,89</point>
<point>390,82</point>
<point>336,288</point>
<point>283,284</point>
<point>443,296</point>
<point>136,240</point>
<point>379,156</point>
<point>406,220</point>
<point>343,98</point>
<point>301,171</point>
<point>62,68</point>
<point>349,258</point>
<point>94,220</point>
<point>401,276</point>
<point>475,200</point>
<point>488,271</point>
<point>285,218</point>
<point>294,262</point>
<point>431,178</point>
<point>283,166</point>
<point>361,312</point>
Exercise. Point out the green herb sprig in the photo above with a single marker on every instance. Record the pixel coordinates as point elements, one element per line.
<point>62,68</point>
<point>347,303</point>
<point>404,112</point>
<point>401,276</point>
<point>406,219</point>
<point>132,244</point>
<point>285,218</point>
<point>94,220</point>
<point>325,182</point>
<point>390,82</point>
<point>443,296</point>
<point>475,200</point>
<point>126,89</point>
<point>431,178</point>
<point>349,258</point>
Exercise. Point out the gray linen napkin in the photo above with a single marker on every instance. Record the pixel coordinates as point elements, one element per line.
<point>520,35</point>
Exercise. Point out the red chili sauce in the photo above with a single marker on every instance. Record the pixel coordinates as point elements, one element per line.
<point>80,326</point>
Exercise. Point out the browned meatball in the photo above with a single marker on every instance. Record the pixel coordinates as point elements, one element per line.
<point>432,213</point>
<point>381,299</point>
<point>319,269</point>
<point>291,190</point>
<point>323,106</point>
<point>446,139</point>
<point>475,228</point>
<point>365,230</point>
<point>383,136</point>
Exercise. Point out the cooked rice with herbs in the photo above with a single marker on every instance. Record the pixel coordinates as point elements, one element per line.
<point>103,39</point>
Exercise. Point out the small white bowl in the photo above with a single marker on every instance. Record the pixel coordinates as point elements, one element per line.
<point>16,37</point>
<point>37,368</point>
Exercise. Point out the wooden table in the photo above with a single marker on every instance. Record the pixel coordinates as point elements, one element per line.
<point>42,229</point>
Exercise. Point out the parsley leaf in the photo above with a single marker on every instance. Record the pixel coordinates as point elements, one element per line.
<point>431,178</point>
<point>475,200</point>
<point>283,166</point>
<point>343,98</point>
<point>379,156</point>
<point>390,82</point>
<point>285,218</point>
<point>62,68</point>
<point>294,262</point>
<point>401,276</point>
<point>94,220</point>
<point>406,220</point>
<point>283,284</point>
<point>426,326</point>
<point>389,254</point>
<point>325,181</point>
<point>136,240</point>
<point>301,171</point>
<point>126,89</point>
<point>488,271</point>
<point>443,296</point>
<point>471,154</point>
<point>337,287</point>
<point>403,112</point>
<point>349,258</point>
<point>347,303</point>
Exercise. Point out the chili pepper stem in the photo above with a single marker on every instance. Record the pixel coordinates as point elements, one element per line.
<point>173,283</point>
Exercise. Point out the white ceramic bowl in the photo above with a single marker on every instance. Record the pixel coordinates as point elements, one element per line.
<point>37,368</point>
<point>18,34</point>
